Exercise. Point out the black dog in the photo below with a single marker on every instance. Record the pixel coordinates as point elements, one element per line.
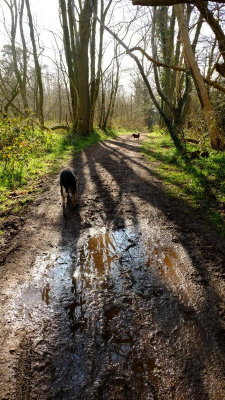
<point>136,135</point>
<point>69,188</point>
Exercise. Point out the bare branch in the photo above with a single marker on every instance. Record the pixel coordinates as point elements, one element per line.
<point>160,64</point>
<point>215,84</point>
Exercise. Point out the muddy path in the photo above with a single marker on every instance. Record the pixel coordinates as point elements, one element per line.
<point>124,299</point>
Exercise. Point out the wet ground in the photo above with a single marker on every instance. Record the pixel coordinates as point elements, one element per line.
<point>123,299</point>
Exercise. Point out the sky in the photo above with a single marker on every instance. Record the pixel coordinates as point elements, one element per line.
<point>46,17</point>
<point>45,14</point>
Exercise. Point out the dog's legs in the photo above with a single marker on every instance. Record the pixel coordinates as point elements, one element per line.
<point>63,193</point>
<point>74,198</point>
<point>74,195</point>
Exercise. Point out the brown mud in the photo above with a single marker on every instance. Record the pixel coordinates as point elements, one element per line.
<point>123,299</point>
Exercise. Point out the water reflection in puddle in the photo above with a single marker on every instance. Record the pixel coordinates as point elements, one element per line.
<point>92,297</point>
<point>122,256</point>
<point>117,262</point>
<point>108,254</point>
<point>41,292</point>
<point>120,265</point>
<point>98,254</point>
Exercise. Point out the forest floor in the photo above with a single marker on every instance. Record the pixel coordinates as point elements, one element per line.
<point>123,299</point>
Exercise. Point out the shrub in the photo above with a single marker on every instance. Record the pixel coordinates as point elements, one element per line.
<point>19,141</point>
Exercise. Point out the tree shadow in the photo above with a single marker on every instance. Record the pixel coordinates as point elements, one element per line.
<point>191,232</point>
<point>115,343</point>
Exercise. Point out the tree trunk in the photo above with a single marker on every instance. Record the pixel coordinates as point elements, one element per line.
<point>116,85</point>
<point>37,65</point>
<point>94,82</point>
<point>25,52</point>
<point>95,76</point>
<point>83,109</point>
<point>102,106</point>
<point>14,19</point>
<point>69,55</point>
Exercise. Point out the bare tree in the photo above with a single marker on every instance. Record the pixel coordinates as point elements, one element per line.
<point>76,42</point>
<point>20,75</point>
<point>217,140</point>
<point>25,54</point>
<point>79,23</point>
<point>40,97</point>
<point>69,32</point>
<point>110,83</point>
<point>96,75</point>
<point>172,130</point>
<point>83,104</point>
<point>206,14</point>
<point>173,85</point>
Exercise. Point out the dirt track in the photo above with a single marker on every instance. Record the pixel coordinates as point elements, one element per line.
<point>124,299</point>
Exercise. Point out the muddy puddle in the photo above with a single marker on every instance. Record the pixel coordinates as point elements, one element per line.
<point>97,317</point>
<point>124,255</point>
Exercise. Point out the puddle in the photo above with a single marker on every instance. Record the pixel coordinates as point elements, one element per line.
<point>105,265</point>
<point>118,261</point>
<point>89,300</point>
<point>173,273</point>
<point>108,254</point>
<point>123,257</point>
<point>40,293</point>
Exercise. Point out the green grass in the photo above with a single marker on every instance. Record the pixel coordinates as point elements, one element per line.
<point>19,185</point>
<point>201,182</point>
<point>80,143</point>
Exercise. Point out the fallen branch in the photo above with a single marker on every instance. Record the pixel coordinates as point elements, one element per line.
<point>65,127</point>
<point>54,128</point>
<point>191,140</point>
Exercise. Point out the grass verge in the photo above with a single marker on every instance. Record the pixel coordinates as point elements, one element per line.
<point>199,182</point>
